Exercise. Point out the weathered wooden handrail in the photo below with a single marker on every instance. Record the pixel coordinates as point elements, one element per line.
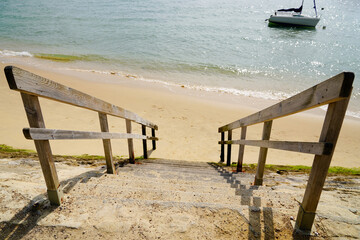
<point>27,82</point>
<point>32,86</point>
<point>334,92</point>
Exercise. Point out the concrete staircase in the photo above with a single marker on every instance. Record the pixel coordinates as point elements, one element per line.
<point>187,198</point>
<point>163,199</point>
<point>184,183</point>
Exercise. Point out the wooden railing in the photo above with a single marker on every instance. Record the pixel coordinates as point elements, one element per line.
<point>335,92</point>
<point>32,86</point>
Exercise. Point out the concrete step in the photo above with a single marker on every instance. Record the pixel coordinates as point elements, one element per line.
<point>101,202</point>
<point>240,197</point>
<point>206,169</point>
<point>199,168</point>
<point>208,175</point>
<point>165,169</point>
<point>158,185</point>
<point>193,186</point>
<point>173,164</point>
<point>179,163</point>
<point>165,174</point>
<point>169,179</point>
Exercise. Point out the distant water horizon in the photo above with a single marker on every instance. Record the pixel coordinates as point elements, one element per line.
<point>220,46</point>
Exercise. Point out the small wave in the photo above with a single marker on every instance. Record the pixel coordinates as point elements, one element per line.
<point>266,95</point>
<point>210,69</point>
<point>348,112</point>
<point>353,114</point>
<point>232,70</point>
<point>87,70</point>
<point>8,53</point>
<point>118,73</point>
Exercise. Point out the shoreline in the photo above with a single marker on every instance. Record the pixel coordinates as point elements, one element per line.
<point>254,95</point>
<point>188,120</point>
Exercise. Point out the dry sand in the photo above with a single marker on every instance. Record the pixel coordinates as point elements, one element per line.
<point>188,120</point>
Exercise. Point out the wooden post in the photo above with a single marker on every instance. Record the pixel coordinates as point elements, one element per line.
<point>36,120</point>
<point>130,142</point>
<point>153,141</point>
<point>107,144</point>
<point>228,160</point>
<point>262,154</point>
<point>330,133</point>
<point>143,129</point>
<point>241,150</point>
<point>222,154</point>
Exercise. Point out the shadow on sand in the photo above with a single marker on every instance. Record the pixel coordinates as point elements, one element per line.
<point>38,208</point>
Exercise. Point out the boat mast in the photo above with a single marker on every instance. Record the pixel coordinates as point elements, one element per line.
<point>302,4</point>
<point>314,8</point>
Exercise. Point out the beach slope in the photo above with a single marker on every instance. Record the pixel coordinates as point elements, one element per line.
<point>188,120</point>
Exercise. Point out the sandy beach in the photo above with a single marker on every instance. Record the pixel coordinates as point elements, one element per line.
<point>188,120</point>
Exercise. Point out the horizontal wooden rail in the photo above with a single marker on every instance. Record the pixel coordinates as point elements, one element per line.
<point>331,90</point>
<point>55,134</point>
<point>316,148</point>
<point>26,82</point>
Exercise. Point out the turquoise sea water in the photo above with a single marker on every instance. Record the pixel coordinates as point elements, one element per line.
<point>211,45</point>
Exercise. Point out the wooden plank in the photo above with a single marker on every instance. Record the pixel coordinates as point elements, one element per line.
<point>331,90</point>
<point>317,148</point>
<point>153,138</point>
<point>36,120</point>
<point>26,82</point>
<point>143,130</point>
<point>330,133</point>
<point>241,150</point>
<point>262,154</point>
<point>130,142</point>
<point>222,154</point>
<point>228,159</point>
<point>107,144</point>
<point>56,134</point>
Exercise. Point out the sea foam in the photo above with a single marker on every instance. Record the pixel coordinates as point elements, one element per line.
<point>8,53</point>
<point>266,94</point>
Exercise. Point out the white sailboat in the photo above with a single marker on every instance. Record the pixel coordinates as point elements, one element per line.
<point>293,17</point>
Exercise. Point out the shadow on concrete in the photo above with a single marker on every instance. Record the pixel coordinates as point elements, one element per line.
<point>255,208</point>
<point>38,208</point>
<point>254,204</point>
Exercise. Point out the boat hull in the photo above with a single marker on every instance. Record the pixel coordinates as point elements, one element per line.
<point>294,20</point>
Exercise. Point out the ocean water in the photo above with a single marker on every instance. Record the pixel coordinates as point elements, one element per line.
<point>209,45</point>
